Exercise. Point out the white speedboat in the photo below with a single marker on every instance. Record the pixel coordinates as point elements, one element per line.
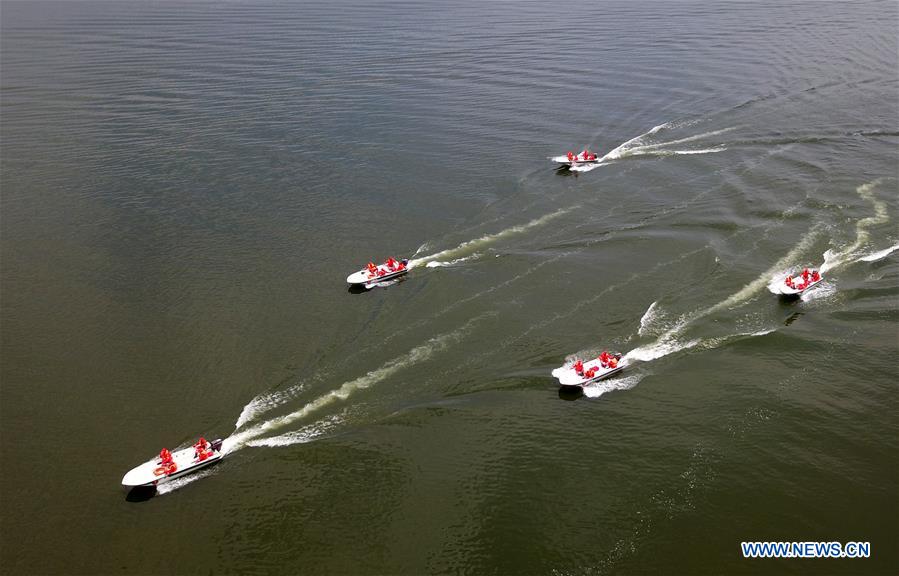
<point>571,159</point>
<point>372,274</point>
<point>791,285</point>
<point>168,466</point>
<point>579,373</point>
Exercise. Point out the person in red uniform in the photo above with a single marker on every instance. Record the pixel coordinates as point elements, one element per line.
<point>604,359</point>
<point>201,448</point>
<point>571,156</point>
<point>166,463</point>
<point>579,368</point>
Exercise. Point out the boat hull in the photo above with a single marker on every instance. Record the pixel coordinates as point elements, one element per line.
<point>361,277</point>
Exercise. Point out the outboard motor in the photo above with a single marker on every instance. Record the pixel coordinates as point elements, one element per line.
<point>216,445</point>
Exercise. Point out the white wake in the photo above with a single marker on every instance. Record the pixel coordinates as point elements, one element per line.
<point>670,341</point>
<point>414,356</point>
<point>880,255</point>
<point>647,321</point>
<point>836,258</point>
<point>445,263</point>
<point>638,146</point>
<point>597,389</point>
<point>469,246</point>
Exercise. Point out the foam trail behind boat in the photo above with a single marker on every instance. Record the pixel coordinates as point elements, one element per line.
<point>836,258</point>
<point>444,263</point>
<point>636,147</point>
<point>780,267</point>
<point>670,341</point>
<point>302,436</point>
<point>414,356</point>
<point>269,401</point>
<point>172,485</point>
<point>634,142</point>
<point>647,353</point>
<point>683,140</point>
<point>822,291</point>
<point>597,389</point>
<point>659,348</point>
<point>879,255</point>
<point>648,319</point>
<point>465,248</point>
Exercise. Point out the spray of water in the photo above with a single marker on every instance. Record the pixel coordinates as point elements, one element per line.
<point>305,434</point>
<point>648,319</point>
<point>879,255</point>
<point>836,258</point>
<point>638,146</point>
<point>479,243</point>
<point>670,341</point>
<point>177,483</point>
<point>822,291</point>
<point>445,263</point>
<point>414,356</point>
<point>597,389</point>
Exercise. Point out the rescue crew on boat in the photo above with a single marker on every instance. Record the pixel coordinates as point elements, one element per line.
<point>808,277</point>
<point>585,156</point>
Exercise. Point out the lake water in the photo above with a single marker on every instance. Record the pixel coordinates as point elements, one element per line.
<point>186,185</point>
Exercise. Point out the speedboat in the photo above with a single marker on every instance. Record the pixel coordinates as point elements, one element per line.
<point>170,465</point>
<point>571,159</point>
<point>578,374</point>
<point>791,285</point>
<point>371,274</point>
